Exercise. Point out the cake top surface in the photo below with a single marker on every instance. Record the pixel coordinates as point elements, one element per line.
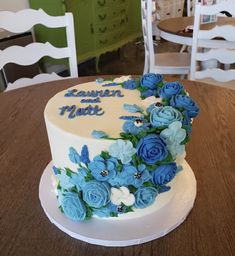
<point>91,106</point>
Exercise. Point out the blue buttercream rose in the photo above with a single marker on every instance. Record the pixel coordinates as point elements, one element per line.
<point>72,206</point>
<point>151,149</point>
<point>150,80</point>
<point>96,194</point>
<point>145,196</point>
<point>103,170</point>
<point>164,173</point>
<point>170,89</point>
<point>163,116</point>
<point>130,84</point>
<point>185,102</point>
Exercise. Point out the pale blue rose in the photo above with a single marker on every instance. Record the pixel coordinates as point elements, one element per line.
<point>96,194</point>
<point>103,169</point>
<point>151,80</point>
<point>152,149</point>
<point>173,136</point>
<point>145,196</point>
<point>122,150</point>
<point>185,102</point>
<point>164,173</point>
<point>130,84</point>
<point>136,177</point>
<point>72,206</point>
<point>163,116</point>
<point>170,89</point>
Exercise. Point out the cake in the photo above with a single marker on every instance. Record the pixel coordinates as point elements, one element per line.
<point>118,145</point>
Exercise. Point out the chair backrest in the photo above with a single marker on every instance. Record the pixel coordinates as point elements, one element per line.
<point>22,21</point>
<point>191,7</point>
<point>146,15</point>
<point>205,39</point>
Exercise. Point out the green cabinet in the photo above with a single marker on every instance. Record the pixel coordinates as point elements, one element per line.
<point>100,25</point>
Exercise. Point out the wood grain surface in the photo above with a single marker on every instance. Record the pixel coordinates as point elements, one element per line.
<point>24,153</point>
<point>177,25</point>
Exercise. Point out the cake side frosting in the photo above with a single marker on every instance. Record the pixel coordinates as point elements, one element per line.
<point>117,145</point>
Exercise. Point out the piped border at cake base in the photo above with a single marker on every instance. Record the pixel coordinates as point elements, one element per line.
<point>125,232</point>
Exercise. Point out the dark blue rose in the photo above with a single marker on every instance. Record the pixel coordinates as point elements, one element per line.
<point>163,116</point>
<point>170,89</point>
<point>72,206</point>
<point>164,173</point>
<point>96,194</point>
<point>145,196</point>
<point>150,80</point>
<point>151,149</point>
<point>185,102</point>
<point>130,84</point>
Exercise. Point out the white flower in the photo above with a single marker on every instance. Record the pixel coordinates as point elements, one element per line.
<point>150,100</point>
<point>121,79</point>
<point>122,195</point>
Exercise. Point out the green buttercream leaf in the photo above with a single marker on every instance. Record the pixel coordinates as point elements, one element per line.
<point>113,214</point>
<point>105,155</point>
<point>168,159</point>
<point>61,209</point>
<point>127,208</point>
<point>68,172</point>
<point>186,140</point>
<point>58,186</point>
<point>132,189</point>
<point>89,176</point>
<point>148,184</point>
<point>89,212</point>
<point>119,167</point>
<point>151,167</point>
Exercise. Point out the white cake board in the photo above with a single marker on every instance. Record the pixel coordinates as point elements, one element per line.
<point>124,232</point>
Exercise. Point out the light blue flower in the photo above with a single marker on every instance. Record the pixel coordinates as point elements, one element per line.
<point>136,177</point>
<point>78,179</point>
<point>145,196</point>
<point>109,209</point>
<point>163,116</point>
<point>103,170</point>
<point>98,134</point>
<point>135,126</point>
<point>122,150</point>
<point>173,136</point>
<point>73,207</point>
<point>74,156</point>
<point>64,179</point>
<point>132,108</point>
<point>96,194</point>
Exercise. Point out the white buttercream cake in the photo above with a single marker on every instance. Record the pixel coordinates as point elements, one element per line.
<point>118,145</point>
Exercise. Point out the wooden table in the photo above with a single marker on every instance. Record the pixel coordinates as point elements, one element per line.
<point>172,30</point>
<point>24,153</point>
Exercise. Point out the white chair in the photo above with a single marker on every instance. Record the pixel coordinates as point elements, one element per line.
<point>163,63</point>
<point>222,50</point>
<point>23,21</point>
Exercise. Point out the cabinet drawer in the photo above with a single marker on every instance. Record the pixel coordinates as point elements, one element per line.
<point>106,27</point>
<point>108,38</point>
<point>106,14</point>
<point>99,4</point>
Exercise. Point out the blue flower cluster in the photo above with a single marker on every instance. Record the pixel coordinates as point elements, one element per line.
<point>137,166</point>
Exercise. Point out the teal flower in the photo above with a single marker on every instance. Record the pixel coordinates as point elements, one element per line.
<point>122,150</point>
<point>173,136</point>
<point>73,207</point>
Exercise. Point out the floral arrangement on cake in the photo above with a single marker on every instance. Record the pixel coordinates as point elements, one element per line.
<point>140,163</point>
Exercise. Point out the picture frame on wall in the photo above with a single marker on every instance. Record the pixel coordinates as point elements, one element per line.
<point>208,18</point>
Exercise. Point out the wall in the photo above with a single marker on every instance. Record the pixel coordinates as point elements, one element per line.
<point>13,5</point>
